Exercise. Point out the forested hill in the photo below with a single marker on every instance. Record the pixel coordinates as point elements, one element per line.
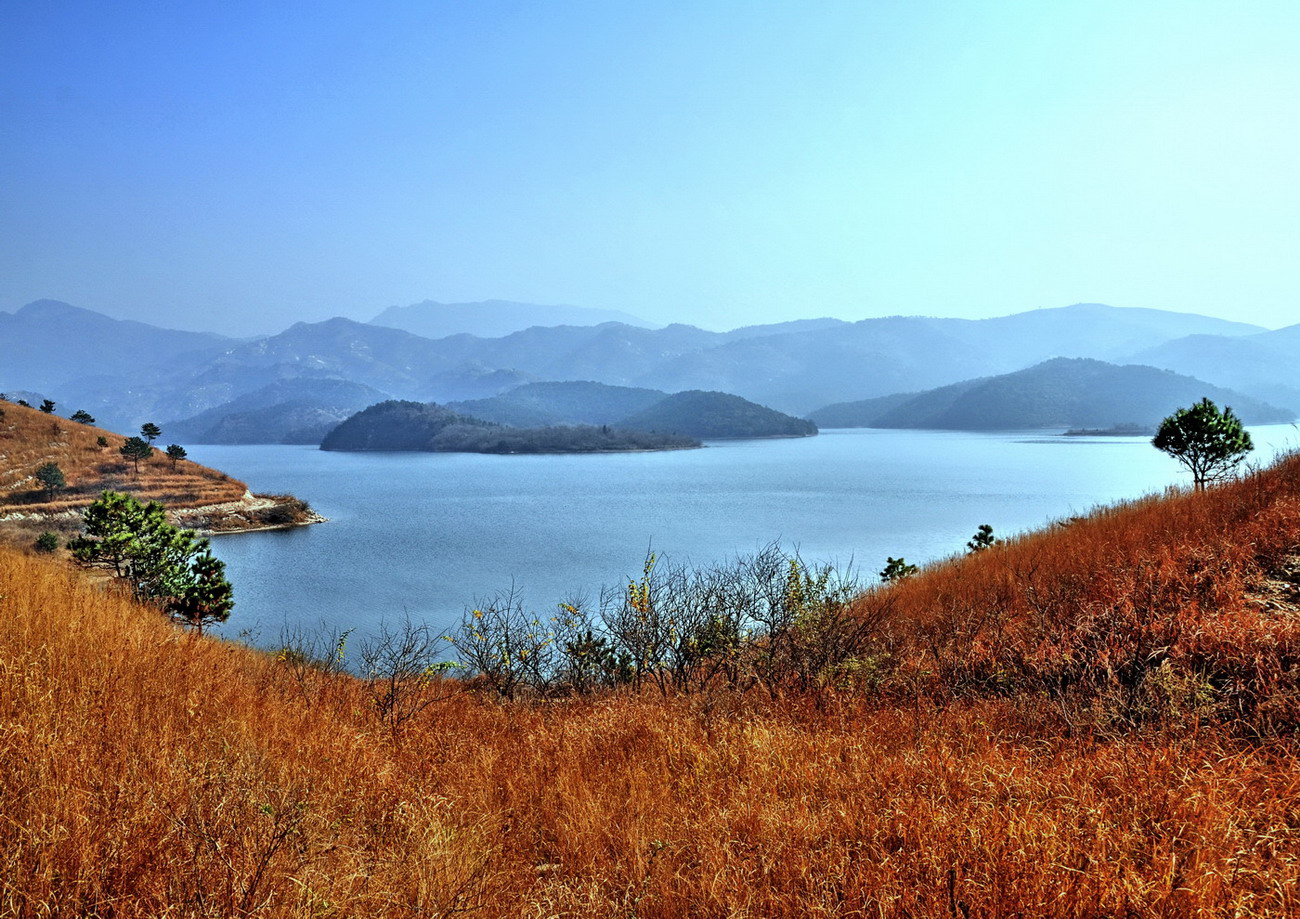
<point>1065,392</point>
<point>575,402</point>
<point>696,413</point>
<point>427,427</point>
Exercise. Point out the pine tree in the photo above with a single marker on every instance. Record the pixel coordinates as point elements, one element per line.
<point>51,478</point>
<point>1208,442</point>
<point>135,449</point>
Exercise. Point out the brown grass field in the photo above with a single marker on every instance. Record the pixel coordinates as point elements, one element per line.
<point>1097,720</point>
<point>30,438</point>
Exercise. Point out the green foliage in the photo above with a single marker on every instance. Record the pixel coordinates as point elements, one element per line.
<point>983,539</point>
<point>24,403</point>
<point>47,542</point>
<point>1208,442</point>
<point>164,565</point>
<point>47,406</point>
<point>51,478</point>
<point>150,432</point>
<point>101,441</point>
<point>136,449</point>
<point>176,452</point>
<point>81,416</point>
<point>896,569</point>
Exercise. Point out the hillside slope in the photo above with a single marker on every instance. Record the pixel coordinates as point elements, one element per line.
<point>196,495</point>
<point>1096,720</point>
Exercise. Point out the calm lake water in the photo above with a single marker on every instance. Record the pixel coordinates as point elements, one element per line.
<point>429,534</point>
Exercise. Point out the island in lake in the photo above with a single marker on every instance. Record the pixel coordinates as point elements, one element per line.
<point>563,418</point>
<point>397,425</point>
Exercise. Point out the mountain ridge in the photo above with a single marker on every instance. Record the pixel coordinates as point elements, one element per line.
<point>1062,392</point>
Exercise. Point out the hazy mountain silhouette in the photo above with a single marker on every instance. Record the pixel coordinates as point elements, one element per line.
<point>286,411</point>
<point>47,343</point>
<point>1262,365</point>
<point>1063,392</point>
<point>124,373</point>
<point>492,318</point>
<point>877,357</point>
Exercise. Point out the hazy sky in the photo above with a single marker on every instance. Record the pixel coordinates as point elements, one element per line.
<point>241,165</point>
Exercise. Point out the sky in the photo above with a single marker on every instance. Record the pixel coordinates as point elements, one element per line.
<point>239,166</point>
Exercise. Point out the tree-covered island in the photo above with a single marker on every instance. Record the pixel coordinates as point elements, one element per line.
<point>428,427</point>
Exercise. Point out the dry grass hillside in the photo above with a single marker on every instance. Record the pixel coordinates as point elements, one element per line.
<point>1094,721</point>
<point>29,439</point>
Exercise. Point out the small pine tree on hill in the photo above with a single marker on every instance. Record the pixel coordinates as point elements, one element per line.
<point>135,450</point>
<point>175,452</point>
<point>51,478</point>
<point>983,539</point>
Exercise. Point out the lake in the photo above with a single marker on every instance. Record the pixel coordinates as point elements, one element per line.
<point>429,534</point>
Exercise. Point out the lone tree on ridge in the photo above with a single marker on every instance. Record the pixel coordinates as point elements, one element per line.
<point>150,432</point>
<point>983,539</point>
<point>1208,442</point>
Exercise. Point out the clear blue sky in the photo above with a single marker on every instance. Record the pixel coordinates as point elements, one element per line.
<point>241,165</point>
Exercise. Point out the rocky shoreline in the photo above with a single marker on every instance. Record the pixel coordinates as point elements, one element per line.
<point>251,513</point>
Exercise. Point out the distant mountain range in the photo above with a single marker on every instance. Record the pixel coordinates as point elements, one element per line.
<point>126,372</point>
<point>492,318</point>
<point>1263,364</point>
<point>1063,392</point>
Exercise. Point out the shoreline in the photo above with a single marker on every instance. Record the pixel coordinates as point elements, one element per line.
<point>253,513</point>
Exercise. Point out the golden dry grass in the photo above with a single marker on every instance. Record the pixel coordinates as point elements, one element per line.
<point>30,438</point>
<point>144,772</point>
